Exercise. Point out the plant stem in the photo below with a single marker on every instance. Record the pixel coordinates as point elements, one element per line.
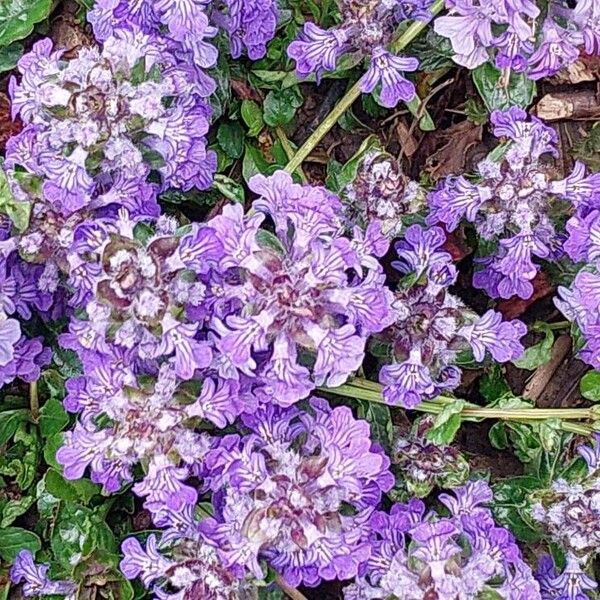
<point>289,151</point>
<point>291,592</point>
<point>353,93</point>
<point>34,402</point>
<point>360,389</point>
<point>559,325</point>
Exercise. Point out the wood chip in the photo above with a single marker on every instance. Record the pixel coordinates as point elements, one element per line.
<point>406,139</point>
<point>568,105</point>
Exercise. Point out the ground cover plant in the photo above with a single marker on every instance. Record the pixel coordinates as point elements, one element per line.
<point>299,299</point>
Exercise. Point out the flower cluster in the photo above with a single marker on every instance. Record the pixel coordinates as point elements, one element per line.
<point>181,564</point>
<point>511,204</point>
<point>506,30</point>
<point>293,310</point>
<point>139,352</point>
<point>381,192</point>
<point>98,125</point>
<point>35,579</point>
<point>571,583</point>
<point>187,28</point>
<point>422,465</point>
<point>280,490</point>
<point>432,326</point>
<point>416,555</point>
<point>366,31</point>
<point>570,511</point>
<point>580,302</point>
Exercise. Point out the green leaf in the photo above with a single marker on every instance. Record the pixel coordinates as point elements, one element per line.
<point>379,418</point>
<point>53,443</point>
<point>53,418</point>
<point>82,490</point>
<point>538,354</point>
<point>252,116</point>
<point>590,386</point>
<point>231,139</point>
<point>254,163</point>
<point>10,55</point>
<point>19,212</point>
<point>425,122</point>
<point>446,424</point>
<point>10,421</point>
<point>17,18</point>
<point>13,509</point>
<point>497,94</point>
<point>78,533</point>
<point>229,188</point>
<point>15,539</point>
<point>280,106</point>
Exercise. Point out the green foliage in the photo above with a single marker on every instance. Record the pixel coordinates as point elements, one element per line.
<point>18,211</point>
<point>18,17</point>
<point>539,354</point>
<point>590,386</point>
<point>499,94</point>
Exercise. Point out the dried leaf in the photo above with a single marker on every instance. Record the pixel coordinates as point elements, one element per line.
<point>451,158</point>
<point>514,307</point>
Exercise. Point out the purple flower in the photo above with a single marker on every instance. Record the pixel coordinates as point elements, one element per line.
<point>386,69</point>
<point>10,334</point>
<point>318,50</point>
<point>306,291</point>
<point>469,29</point>
<point>512,204</point>
<point>281,487</point>
<point>432,326</point>
<point>554,53</point>
<point>251,24</point>
<point>571,584</point>
<point>35,579</point>
<point>500,338</point>
<point>414,554</point>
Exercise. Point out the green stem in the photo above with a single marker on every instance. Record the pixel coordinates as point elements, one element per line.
<point>371,392</point>
<point>353,93</point>
<point>34,402</point>
<point>289,151</point>
<point>559,325</point>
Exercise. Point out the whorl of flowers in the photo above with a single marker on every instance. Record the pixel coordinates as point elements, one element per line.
<point>572,583</point>
<point>366,31</point>
<point>423,465</point>
<point>294,309</point>
<point>381,192</point>
<point>416,555</point>
<point>139,353</point>
<point>296,491</point>
<point>35,580</point>
<point>511,202</point>
<point>506,30</point>
<point>569,511</point>
<point>581,301</point>
<point>187,27</point>
<point>432,326</point>
<point>98,125</point>
<point>180,563</point>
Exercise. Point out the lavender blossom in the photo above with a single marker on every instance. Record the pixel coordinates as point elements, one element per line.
<point>98,125</point>
<point>511,204</point>
<point>416,555</point>
<point>423,465</point>
<point>572,584</point>
<point>569,511</point>
<point>366,31</point>
<point>280,489</point>
<point>139,353</point>
<point>181,564</point>
<point>299,306</point>
<point>432,326</point>
<point>381,193</point>
<point>36,582</point>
